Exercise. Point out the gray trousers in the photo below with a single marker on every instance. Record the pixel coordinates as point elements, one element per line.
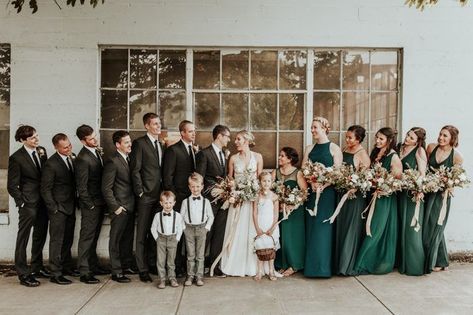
<point>195,246</point>
<point>166,247</point>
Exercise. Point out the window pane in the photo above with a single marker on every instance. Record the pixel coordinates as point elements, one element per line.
<point>3,191</point>
<point>327,70</point>
<point>235,111</point>
<point>141,102</point>
<point>4,67</point>
<point>4,148</point>
<point>384,70</point>
<point>114,109</point>
<point>107,143</point>
<point>356,70</point>
<point>263,112</point>
<point>334,137</point>
<point>294,140</point>
<point>143,69</point>
<point>355,109</point>
<point>206,69</point>
<point>264,69</point>
<point>207,110</point>
<point>114,68</point>
<point>4,109</point>
<point>172,109</point>
<point>203,138</point>
<point>291,111</point>
<point>136,134</point>
<point>327,104</point>
<point>265,143</point>
<point>235,69</point>
<point>383,110</point>
<point>172,69</point>
<point>292,70</point>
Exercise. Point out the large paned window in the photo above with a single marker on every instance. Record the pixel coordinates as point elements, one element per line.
<point>272,92</point>
<point>4,123</point>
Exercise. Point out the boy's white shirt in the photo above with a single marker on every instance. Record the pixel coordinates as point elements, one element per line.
<point>167,225</point>
<point>196,212</point>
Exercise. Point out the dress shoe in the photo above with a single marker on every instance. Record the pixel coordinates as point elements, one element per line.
<point>199,281</point>
<point>89,279</point>
<point>120,278</point>
<point>72,272</point>
<point>101,271</point>
<point>29,281</point>
<point>153,270</point>
<point>219,273</point>
<point>130,271</point>
<point>189,281</point>
<point>144,277</point>
<point>173,283</point>
<point>42,273</point>
<point>60,280</point>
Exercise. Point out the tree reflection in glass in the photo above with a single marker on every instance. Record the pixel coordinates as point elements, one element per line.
<point>292,69</point>
<point>172,69</point>
<point>327,70</point>
<point>327,104</point>
<point>172,108</point>
<point>143,69</point>
<point>383,110</point>
<point>235,69</point>
<point>355,109</point>
<point>384,70</point>
<point>235,110</point>
<point>264,68</point>
<point>114,109</point>
<point>207,110</point>
<point>206,69</point>
<point>141,102</point>
<point>263,111</point>
<point>114,68</point>
<point>4,66</point>
<point>356,69</point>
<point>291,111</point>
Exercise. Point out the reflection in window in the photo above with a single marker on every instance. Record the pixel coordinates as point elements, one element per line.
<point>5,55</point>
<point>207,69</point>
<point>235,69</point>
<point>264,69</point>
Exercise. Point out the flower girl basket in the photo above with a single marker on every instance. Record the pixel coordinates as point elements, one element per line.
<point>265,247</point>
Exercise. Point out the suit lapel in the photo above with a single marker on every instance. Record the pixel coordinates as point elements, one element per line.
<point>151,146</point>
<point>122,160</point>
<point>216,159</point>
<point>28,158</point>
<point>60,161</point>
<point>92,156</point>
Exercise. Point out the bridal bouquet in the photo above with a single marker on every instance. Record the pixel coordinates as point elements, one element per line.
<point>234,192</point>
<point>317,173</point>
<point>225,190</point>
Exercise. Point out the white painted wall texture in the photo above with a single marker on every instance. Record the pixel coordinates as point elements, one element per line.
<point>54,71</point>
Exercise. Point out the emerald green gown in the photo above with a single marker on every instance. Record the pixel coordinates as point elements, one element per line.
<point>378,252</point>
<point>292,231</point>
<point>412,258</point>
<point>319,235</point>
<point>348,230</point>
<point>435,249</point>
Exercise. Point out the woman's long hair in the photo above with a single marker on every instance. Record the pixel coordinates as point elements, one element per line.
<point>391,143</point>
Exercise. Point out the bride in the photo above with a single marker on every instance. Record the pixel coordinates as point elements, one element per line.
<point>238,257</point>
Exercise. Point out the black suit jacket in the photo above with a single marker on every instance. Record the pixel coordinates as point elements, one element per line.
<point>178,166</point>
<point>89,179</point>
<point>58,187</point>
<point>24,179</point>
<point>209,166</point>
<point>116,184</point>
<point>146,170</point>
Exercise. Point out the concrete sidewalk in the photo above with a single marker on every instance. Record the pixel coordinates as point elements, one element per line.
<point>449,292</point>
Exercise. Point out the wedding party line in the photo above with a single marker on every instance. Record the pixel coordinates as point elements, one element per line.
<point>325,212</point>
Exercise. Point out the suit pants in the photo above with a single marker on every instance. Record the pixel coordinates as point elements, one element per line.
<point>166,247</point>
<point>26,220</point>
<point>118,230</point>
<point>61,237</point>
<point>91,224</point>
<point>195,246</point>
<point>126,244</point>
<point>217,233</point>
<point>145,243</point>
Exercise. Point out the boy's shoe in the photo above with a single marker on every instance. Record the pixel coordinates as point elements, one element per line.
<point>189,281</point>
<point>174,283</point>
<point>162,284</point>
<point>199,282</point>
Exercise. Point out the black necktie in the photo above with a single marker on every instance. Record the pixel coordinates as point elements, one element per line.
<point>36,161</point>
<point>220,154</point>
<point>69,165</point>
<point>196,198</point>
<point>98,156</point>
<point>128,159</point>
<point>191,154</point>
<point>166,214</point>
<point>156,147</point>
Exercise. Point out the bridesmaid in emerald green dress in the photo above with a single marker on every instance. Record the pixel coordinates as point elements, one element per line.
<point>436,254</point>
<point>378,251</point>
<point>290,257</point>
<point>319,235</point>
<point>413,156</point>
<point>349,224</point>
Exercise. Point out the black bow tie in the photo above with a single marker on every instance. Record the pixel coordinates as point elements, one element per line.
<point>166,214</point>
<point>196,198</point>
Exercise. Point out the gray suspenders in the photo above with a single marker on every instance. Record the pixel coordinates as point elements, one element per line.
<point>189,209</point>
<point>173,222</point>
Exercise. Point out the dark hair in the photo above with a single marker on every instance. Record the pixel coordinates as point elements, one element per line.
<point>291,154</point>
<point>421,134</point>
<point>118,135</point>
<point>84,131</point>
<point>358,131</point>
<point>219,129</point>
<point>58,137</point>
<point>454,132</point>
<point>390,134</point>
<point>148,116</point>
<point>167,194</point>
<point>24,132</point>
<point>183,124</point>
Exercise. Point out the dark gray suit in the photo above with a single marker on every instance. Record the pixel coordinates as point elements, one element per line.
<point>146,175</point>
<point>23,184</point>
<point>58,189</point>
<point>89,187</point>
<point>118,192</point>
<point>209,166</point>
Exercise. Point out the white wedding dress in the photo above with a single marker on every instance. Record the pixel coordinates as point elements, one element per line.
<point>239,259</point>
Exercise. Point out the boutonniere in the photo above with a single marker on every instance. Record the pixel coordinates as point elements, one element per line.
<point>99,150</point>
<point>227,154</point>
<point>162,142</point>
<point>196,148</point>
<point>72,156</point>
<point>41,152</point>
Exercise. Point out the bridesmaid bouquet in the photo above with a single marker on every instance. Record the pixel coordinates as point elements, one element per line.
<point>292,197</point>
<point>317,173</point>
<point>415,184</point>
<point>233,192</point>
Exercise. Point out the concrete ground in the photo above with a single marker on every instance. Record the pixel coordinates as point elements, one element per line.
<point>449,292</point>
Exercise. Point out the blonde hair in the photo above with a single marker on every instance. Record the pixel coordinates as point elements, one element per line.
<point>247,136</point>
<point>323,122</point>
<point>167,194</point>
<point>196,178</point>
<point>264,174</point>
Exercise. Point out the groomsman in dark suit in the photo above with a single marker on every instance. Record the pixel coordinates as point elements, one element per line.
<point>23,184</point>
<point>146,160</point>
<point>179,164</point>
<point>89,167</point>
<point>58,189</point>
<point>212,165</point>
<point>118,194</point>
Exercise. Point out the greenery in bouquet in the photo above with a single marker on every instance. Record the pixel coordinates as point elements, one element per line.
<point>247,186</point>
<point>293,197</point>
<point>234,192</point>
<point>451,177</point>
<point>315,172</point>
<point>382,181</point>
<point>347,180</point>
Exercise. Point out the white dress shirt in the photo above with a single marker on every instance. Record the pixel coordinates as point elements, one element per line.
<point>152,139</point>
<point>124,156</point>
<point>167,225</point>
<point>217,151</point>
<point>64,158</point>
<point>30,153</point>
<point>195,212</point>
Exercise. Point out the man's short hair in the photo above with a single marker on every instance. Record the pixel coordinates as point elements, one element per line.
<point>219,130</point>
<point>58,137</point>
<point>84,131</point>
<point>119,135</point>
<point>166,195</point>
<point>183,124</point>
<point>196,178</point>
<point>24,132</point>
<point>148,116</point>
